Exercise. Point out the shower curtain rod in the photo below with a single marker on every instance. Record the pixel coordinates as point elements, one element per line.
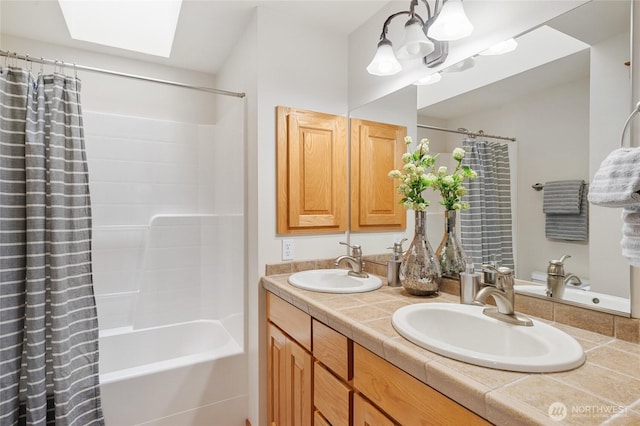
<point>464,131</point>
<point>55,62</point>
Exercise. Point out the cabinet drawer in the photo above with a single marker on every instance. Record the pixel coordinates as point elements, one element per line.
<point>402,396</point>
<point>290,319</point>
<point>318,420</point>
<point>330,396</point>
<point>333,350</point>
<point>366,414</point>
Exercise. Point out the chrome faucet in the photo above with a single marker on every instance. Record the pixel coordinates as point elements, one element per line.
<point>504,296</point>
<point>572,277</point>
<point>355,260</point>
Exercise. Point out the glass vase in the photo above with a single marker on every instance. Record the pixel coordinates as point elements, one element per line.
<point>420,271</point>
<point>450,253</point>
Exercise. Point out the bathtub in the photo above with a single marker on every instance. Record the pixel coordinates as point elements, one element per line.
<point>187,374</point>
<point>599,301</point>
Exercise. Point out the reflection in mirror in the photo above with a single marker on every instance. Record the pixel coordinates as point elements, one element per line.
<point>564,93</point>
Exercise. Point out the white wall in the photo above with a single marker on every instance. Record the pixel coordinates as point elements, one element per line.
<point>610,101</point>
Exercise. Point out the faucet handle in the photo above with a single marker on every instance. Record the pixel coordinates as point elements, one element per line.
<point>356,250</point>
<point>504,278</point>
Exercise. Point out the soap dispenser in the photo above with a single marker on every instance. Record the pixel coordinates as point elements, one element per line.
<point>555,277</point>
<point>469,283</point>
<point>393,264</point>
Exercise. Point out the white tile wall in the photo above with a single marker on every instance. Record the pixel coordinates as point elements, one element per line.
<point>167,203</point>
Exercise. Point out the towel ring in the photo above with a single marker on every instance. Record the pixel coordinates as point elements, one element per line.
<point>624,130</point>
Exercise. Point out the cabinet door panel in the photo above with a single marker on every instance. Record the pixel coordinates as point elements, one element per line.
<point>276,376</point>
<point>311,152</point>
<point>300,402</point>
<point>376,149</point>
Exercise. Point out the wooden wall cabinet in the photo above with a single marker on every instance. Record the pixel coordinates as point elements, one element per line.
<point>311,155</point>
<point>376,149</point>
<point>350,386</point>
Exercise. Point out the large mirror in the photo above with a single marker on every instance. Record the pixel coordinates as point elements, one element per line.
<point>564,95</point>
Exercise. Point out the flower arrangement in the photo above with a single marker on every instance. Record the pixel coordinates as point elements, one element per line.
<point>450,186</point>
<point>413,177</point>
<point>419,173</point>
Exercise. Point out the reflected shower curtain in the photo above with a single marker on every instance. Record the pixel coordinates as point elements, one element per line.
<point>48,319</point>
<point>486,227</point>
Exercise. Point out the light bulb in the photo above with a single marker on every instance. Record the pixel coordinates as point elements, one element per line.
<point>384,62</point>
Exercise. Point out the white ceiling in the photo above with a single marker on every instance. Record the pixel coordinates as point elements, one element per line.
<point>207,29</point>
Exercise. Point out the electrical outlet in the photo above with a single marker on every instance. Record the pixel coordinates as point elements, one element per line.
<point>287,249</point>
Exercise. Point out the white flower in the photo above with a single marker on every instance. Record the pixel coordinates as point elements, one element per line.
<point>409,168</point>
<point>447,180</point>
<point>423,148</point>
<point>442,170</point>
<point>408,140</point>
<point>406,157</point>
<point>395,174</point>
<point>430,178</point>
<point>458,154</point>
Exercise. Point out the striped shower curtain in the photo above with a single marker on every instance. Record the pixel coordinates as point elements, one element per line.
<point>485,228</point>
<point>48,320</point>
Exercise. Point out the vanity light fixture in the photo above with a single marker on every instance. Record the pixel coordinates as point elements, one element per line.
<point>429,79</point>
<point>501,48</point>
<point>423,38</point>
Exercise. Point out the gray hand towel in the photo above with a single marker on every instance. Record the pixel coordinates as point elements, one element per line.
<point>562,197</point>
<point>617,181</point>
<point>569,227</point>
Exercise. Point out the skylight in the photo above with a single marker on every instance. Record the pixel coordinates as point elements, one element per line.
<point>146,26</point>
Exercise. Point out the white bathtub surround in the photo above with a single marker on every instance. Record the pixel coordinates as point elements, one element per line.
<point>168,258</point>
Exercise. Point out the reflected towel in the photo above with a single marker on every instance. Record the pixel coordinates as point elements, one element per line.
<point>630,242</point>
<point>562,197</point>
<point>617,181</point>
<point>569,227</point>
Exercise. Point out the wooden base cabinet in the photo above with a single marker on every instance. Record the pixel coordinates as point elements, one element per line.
<point>289,381</point>
<point>317,376</point>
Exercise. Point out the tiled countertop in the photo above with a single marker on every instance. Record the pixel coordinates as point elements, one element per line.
<point>604,391</point>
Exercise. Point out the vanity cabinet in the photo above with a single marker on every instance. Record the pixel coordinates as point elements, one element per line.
<point>318,376</point>
<point>289,365</point>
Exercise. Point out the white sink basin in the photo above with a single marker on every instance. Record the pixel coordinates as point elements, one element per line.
<point>464,333</point>
<point>333,281</point>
